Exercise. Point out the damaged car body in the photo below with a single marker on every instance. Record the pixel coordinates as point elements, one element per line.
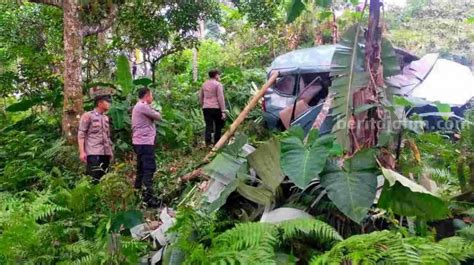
<point>305,79</point>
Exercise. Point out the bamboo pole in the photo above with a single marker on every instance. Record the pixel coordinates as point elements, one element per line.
<point>233,127</point>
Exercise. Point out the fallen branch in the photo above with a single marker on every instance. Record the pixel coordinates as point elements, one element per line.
<point>192,175</point>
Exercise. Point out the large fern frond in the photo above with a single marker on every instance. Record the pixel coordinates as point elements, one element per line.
<point>439,175</point>
<point>42,207</point>
<point>247,235</point>
<point>310,228</point>
<point>467,232</point>
<point>358,249</point>
<point>82,247</point>
<point>55,148</point>
<point>86,260</point>
<point>458,247</point>
<point>387,247</point>
<point>264,254</point>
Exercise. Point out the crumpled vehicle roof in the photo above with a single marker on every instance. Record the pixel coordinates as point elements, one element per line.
<point>428,77</point>
<point>435,79</point>
<point>314,60</point>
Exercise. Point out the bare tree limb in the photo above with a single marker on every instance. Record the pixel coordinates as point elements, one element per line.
<point>103,25</point>
<point>56,3</point>
<point>164,54</point>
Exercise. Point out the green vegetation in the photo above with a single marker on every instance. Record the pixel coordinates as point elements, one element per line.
<point>356,204</point>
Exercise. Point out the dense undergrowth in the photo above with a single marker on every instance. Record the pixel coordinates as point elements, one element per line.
<point>50,213</point>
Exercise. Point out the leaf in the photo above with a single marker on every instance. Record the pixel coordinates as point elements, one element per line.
<point>352,186</point>
<point>173,255</point>
<point>385,138</point>
<point>219,202</point>
<point>409,101</point>
<point>350,76</point>
<point>401,101</point>
<point>407,198</point>
<point>323,3</point>
<point>297,131</point>
<point>391,66</point>
<point>266,162</point>
<point>124,76</point>
<point>295,9</point>
<point>126,219</point>
<point>224,168</point>
<point>303,163</point>
<point>325,14</point>
<point>142,82</point>
<point>260,195</point>
<point>444,109</point>
<point>119,114</point>
<point>25,104</point>
<point>284,259</point>
<point>235,147</point>
<point>364,107</point>
<point>470,20</point>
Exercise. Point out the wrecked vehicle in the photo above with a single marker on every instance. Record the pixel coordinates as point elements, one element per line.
<point>296,97</point>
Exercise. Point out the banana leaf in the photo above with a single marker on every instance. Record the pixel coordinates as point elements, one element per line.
<point>350,76</point>
<point>266,162</point>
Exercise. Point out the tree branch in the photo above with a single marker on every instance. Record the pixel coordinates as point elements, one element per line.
<point>164,54</point>
<point>103,25</point>
<point>56,3</point>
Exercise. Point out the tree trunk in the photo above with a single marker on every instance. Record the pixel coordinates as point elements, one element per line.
<point>73,35</point>
<point>152,68</point>
<point>335,34</point>
<point>105,70</point>
<point>195,64</point>
<point>200,36</point>
<point>366,135</point>
<point>73,102</point>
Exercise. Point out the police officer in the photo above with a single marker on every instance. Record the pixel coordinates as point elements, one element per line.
<point>95,145</point>
<point>143,138</point>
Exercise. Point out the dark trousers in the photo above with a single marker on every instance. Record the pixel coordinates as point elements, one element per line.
<point>97,166</point>
<point>214,123</point>
<point>146,167</point>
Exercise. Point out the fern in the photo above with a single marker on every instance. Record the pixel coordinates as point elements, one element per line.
<point>260,255</point>
<point>432,253</point>
<point>458,247</point>
<point>82,246</point>
<point>439,175</point>
<point>360,249</point>
<point>247,235</point>
<point>401,253</point>
<point>310,228</point>
<point>55,148</point>
<point>386,247</point>
<point>467,232</point>
<point>42,207</point>
<point>255,243</point>
<point>86,260</point>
